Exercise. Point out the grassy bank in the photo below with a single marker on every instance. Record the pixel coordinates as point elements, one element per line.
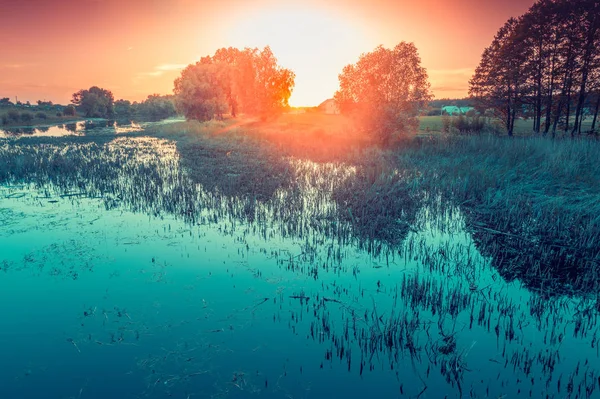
<point>523,127</point>
<point>531,203</point>
<point>17,117</point>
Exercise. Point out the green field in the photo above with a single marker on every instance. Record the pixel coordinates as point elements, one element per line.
<point>433,124</point>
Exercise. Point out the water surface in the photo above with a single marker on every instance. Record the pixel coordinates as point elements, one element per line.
<point>127,279</point>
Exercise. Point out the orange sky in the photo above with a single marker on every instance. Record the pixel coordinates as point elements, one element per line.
<point>50,49</point>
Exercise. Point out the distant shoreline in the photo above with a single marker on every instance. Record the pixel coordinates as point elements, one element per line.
<point>50,124</point>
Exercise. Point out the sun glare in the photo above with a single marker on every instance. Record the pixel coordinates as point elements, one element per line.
<point>315,44</point>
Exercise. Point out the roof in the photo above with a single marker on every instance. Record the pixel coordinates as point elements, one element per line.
<point>328,101</point>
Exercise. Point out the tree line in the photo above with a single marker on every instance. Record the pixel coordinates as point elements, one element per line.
<point>97,102</point>
<point>544,65</point>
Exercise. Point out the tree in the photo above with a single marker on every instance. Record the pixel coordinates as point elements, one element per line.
<point>385,91</point>
<point>198,93</point>
<point>95,102</point>
<point>5,102</point>
<point>543,64</point>
<point>245,81</point>
<point>157,107</point>
<point>69,110</point>
<point>499,83</point>
<point>46,104</point>
<point>123,109</point>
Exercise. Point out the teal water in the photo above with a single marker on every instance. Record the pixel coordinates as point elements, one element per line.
<point>80,128</point>
<point>131,281</point>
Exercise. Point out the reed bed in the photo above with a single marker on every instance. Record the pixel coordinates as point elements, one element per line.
<point>527,205</point>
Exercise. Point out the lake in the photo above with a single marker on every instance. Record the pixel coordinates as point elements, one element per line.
<point>122,277</point>
<point>81,128</point>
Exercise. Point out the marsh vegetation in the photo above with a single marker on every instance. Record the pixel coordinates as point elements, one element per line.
<point>222,259</point>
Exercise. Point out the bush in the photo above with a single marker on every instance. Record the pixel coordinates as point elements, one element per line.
<point>26,117</point>
<point>5,119</point>
<point>41,115</point>
<point>462,124</point>
<point>69,110</point>
<point>59,114</point>
<point>13,115</point>
<point>446,123</point>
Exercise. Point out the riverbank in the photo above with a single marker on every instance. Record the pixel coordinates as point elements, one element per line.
<point>531,202</point>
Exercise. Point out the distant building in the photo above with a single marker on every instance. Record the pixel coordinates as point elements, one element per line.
<point>329,107</point>
<point>454,110</point>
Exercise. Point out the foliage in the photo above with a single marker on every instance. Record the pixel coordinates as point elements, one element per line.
<point>95,102</point>
<point>13,115</point>
<point>26,117</point>
<point>544,65</point>
<point>156,107</point>
<point>41,115</point>
<point>5,101</point>
<point>385,91</point>
<point>245,81</point>
<point>123,109</point>
<point>69,110</point>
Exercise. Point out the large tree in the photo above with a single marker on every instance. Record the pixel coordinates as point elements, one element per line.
<point>499,82</point>
<point>543,65</point>
<point>385,91</point>
<point>234,81</point>
<point>95,102</point>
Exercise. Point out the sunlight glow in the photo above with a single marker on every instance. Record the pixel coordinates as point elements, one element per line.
<point>315,44</point>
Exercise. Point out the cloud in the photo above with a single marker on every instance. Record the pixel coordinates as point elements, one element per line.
<point>159,70</point>
<point>170,67</point>
<point>150,74</point>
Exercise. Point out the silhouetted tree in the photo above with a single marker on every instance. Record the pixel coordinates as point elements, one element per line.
<point>69,110</point>
<point>550,56</point>
<point>499,82</point>
<point>95,102</point>
<point>385,91</point>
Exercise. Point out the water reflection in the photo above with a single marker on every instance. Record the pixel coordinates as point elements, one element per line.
<point>87,127</point>
<point>306,284</point>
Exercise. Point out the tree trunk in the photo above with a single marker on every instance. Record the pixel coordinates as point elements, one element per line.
<point>512,122</point>
<point>568,102</point>
<point>550,93</point>
<point>589,50</point>
<point>538,103</point>
<point>596,113</point>
<point>568,110</point>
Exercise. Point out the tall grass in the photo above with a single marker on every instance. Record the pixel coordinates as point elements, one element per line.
<point>534,202</point>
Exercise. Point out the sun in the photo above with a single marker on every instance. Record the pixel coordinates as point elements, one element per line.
<point>316,44</point>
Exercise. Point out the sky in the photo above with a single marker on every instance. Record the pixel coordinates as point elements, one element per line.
<point>52,48</point>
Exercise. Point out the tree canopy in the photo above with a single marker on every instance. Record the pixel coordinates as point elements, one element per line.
<point>234,81</point>
<point>385,90</point>
<point>95,102</point>
<point>544,65</point>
